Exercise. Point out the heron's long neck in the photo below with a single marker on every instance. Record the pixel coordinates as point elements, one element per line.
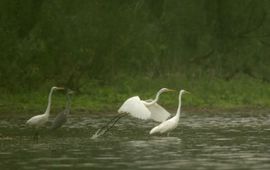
<point>156,99</point>
<point>49,103</point>
<point>179,107</point>
<point>68,102</point>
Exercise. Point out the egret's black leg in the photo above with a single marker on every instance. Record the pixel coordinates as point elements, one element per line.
<point>112,120</point>
<point>104,128</point>
<point>100,131</point>
<point>110,127</point>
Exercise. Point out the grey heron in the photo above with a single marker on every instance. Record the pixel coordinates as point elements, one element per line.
<point>61,118</point>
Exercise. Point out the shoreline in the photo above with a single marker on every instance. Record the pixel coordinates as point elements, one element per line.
<point>249,110</point>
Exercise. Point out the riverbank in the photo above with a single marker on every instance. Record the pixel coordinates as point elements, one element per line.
<point>207,95</point>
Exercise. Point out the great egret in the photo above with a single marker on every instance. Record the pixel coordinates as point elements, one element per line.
<point>171,123</point>
<point>148,109</point>
<point>61,118</point>
<point>40,120</point>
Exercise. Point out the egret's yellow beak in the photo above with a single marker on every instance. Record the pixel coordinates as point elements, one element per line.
<point>60,88</point>
<point>187,92</point>
<point>171,90</point>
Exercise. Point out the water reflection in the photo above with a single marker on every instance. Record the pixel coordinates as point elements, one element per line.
<point>200,142</point>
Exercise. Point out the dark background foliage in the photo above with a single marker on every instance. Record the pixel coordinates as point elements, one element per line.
<point>71,42</point>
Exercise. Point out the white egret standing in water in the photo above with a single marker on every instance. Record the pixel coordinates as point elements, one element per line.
<point>171,123</point>
<point>148,109</point>
<point>40,120</point>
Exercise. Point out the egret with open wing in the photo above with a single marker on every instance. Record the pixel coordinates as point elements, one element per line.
<point>134,106</point>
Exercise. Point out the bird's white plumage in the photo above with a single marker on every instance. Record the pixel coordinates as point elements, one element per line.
<point>171,123</point>
<point>38,121</point>
<point>148,109</point>
<point>135,107</point>
<point>158,113</point>
<point>166,126</point>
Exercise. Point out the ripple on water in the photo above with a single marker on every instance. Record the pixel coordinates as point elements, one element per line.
<point>200,142</point>
<point>107,157</point>
<point>5,153</point>
<point>223,139</point>
<point>54,165</point>
<point>86,165</point>
<point>154,141</point>
<point>48,159</point>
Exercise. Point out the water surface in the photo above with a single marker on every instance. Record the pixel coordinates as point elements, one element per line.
<point>201,141</point>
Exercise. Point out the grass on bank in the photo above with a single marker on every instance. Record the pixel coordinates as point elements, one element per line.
<point>242,91</point>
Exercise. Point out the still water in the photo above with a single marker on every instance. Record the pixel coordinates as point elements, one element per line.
<point>201,141</point>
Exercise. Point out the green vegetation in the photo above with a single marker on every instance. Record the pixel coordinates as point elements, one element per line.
<point>207,93</point>
<point>110,50</point>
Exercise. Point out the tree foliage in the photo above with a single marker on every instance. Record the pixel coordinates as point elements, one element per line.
<point>72,42</point>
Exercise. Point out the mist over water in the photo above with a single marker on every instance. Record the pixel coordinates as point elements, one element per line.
<point>202,141</point>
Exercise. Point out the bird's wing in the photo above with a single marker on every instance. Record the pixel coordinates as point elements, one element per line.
<point>155,129</point>
<point>135,107</point>
<point>158,113</point>
<point>162,127</point>
<point>148,100</point>
<point>38,120</point>
<point>60,119</point>
<point>158,128</point>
